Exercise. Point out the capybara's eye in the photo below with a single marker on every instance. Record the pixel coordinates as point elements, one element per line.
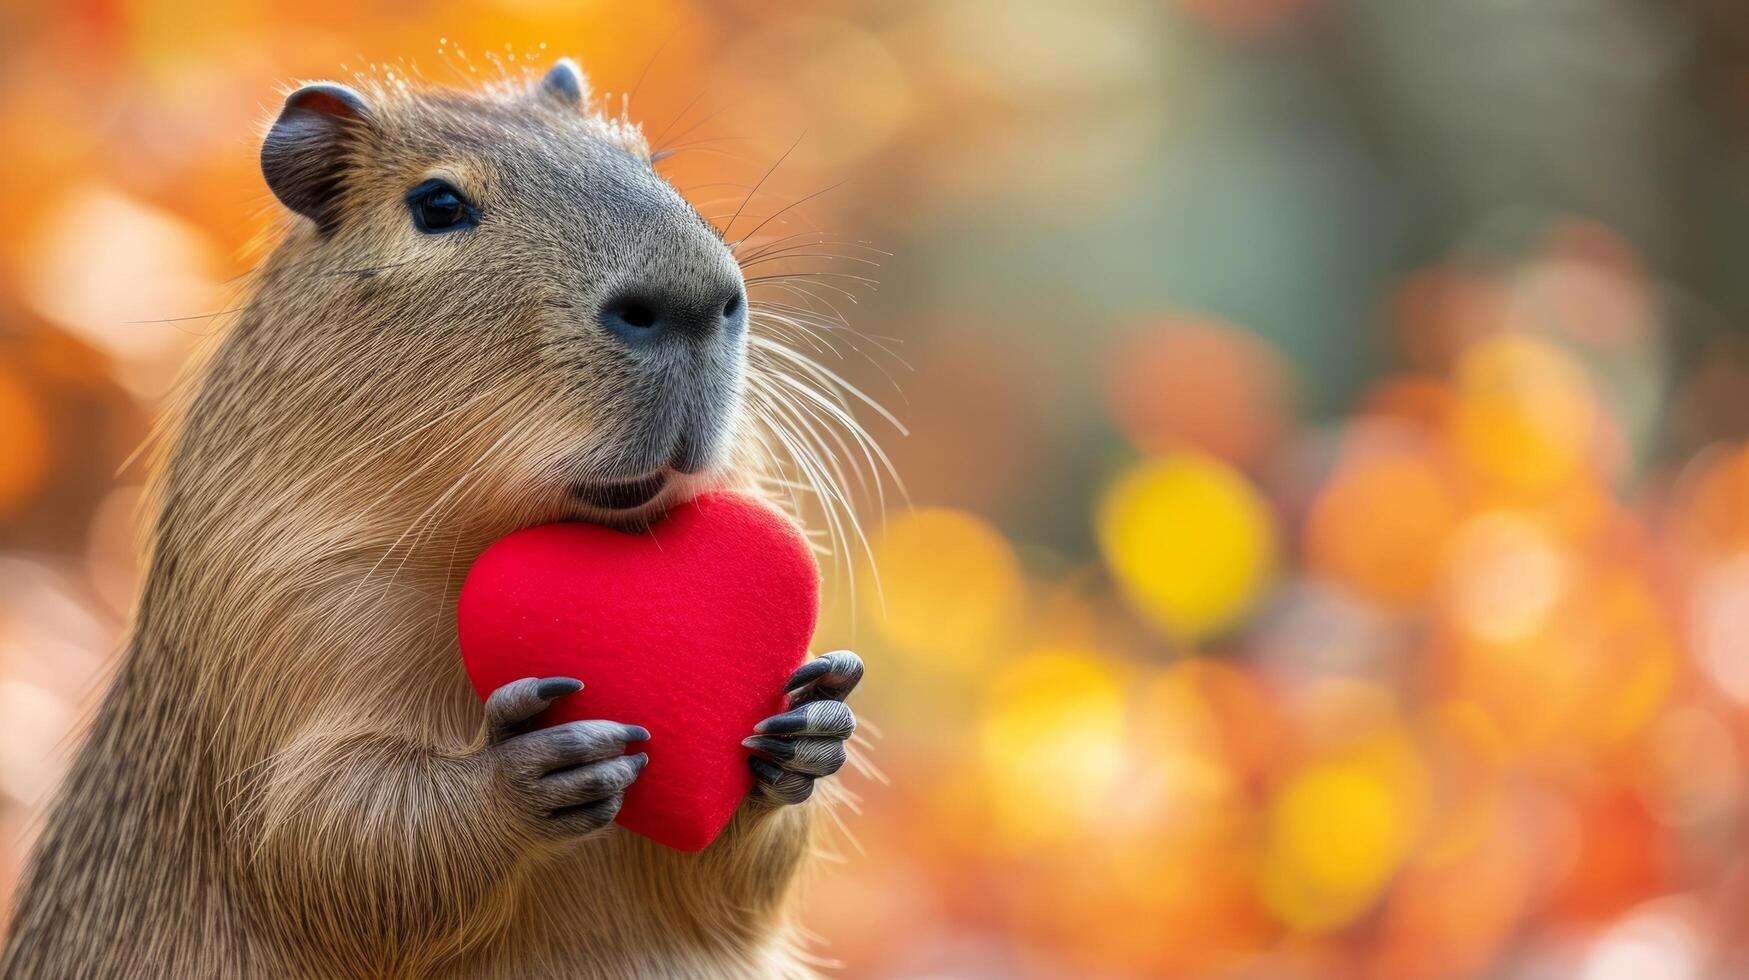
<point>438,207</point>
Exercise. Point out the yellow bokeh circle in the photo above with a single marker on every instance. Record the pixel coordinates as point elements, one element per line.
<point>1052,742</point>
<point>1190,541</point>
<point>950,587</point>
<point>1339,829</point>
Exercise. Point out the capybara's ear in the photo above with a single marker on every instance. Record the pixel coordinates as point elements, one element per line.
<point>564,83</point>
<point>305,154</point>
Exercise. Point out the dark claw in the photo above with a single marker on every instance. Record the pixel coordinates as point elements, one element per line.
<point>808,756</point>
<point>512,706</point>
<point>575,743</point>
<point>787,723</point>
<point>557,687</point>
<point>833,676</point>
<point>772,747</point>
<point>807,672</point>
<point>832,718</point>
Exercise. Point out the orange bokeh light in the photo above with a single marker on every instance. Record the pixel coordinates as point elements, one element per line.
<point>25,434</point>
<point>1196,382</point>
<point>1380,526</point>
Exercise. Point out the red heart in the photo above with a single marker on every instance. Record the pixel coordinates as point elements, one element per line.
<point>689,629</point>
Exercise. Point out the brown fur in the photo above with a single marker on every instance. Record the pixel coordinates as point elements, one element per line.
<point>283,779</point>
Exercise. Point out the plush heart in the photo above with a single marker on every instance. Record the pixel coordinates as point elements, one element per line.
<point>688,629</point>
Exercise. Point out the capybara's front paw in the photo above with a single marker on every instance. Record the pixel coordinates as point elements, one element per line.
<point>566,780</point>
<point>806,742</point>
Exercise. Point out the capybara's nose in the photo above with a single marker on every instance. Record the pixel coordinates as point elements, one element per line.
<point>646,316</point>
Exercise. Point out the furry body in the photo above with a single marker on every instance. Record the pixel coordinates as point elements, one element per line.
<point>288,776</point>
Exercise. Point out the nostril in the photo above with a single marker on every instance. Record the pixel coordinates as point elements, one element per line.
<point>633,313</point>
<point>733,306</point>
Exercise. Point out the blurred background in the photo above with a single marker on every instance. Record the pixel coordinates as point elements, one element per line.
<point>1327,541</point>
